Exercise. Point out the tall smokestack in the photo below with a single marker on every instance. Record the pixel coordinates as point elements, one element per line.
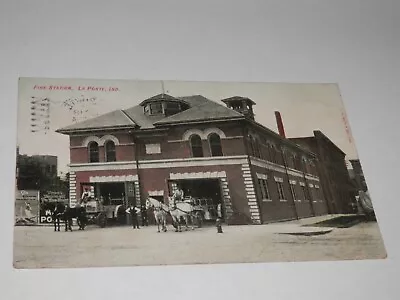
<point>279,123</point>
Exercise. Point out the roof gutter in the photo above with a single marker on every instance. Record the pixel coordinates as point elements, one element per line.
<point>284,140</point>
<point>72,131</point>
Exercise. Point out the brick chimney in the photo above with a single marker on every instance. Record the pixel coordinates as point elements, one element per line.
<point>279,123</point>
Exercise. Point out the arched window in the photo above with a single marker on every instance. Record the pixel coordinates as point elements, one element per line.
<point>257,151</point>
<point>93,152</point>
<point>292,162</point>
<point>278,156</point>
<point>272,153</point>
<point>254,146</point>
<point>215,144</point>
<point>313,169</point>
<point>109,147</point>
<point>251,143</point>
<point>268,151</point>
<point>196,145</point>
<point>297,162</point>
<point>284,156</point>
<point>304,162</point>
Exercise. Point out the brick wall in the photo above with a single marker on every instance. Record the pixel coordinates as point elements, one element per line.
<point>334,168</point>
<point>276,209</point>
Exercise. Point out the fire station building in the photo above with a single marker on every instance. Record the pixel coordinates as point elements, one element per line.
<point>214,151</point>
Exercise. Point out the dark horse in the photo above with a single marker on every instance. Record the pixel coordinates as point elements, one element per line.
<point>66,214</point>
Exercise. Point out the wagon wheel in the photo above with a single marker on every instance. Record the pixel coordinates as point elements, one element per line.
<point>198,216</point>
<point>201,219</point>
<point>121,215</point>
<point>102,220</point>
<point>89,219</point>
<point>174,224</point>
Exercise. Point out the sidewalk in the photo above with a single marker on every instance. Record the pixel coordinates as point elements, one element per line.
<point>304,226</point>
<point>311,226</point>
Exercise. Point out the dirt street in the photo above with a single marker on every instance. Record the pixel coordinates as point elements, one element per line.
<point>41,247</point>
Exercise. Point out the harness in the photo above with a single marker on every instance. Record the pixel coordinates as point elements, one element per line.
<point>181,210</point>
<point>160,208</point>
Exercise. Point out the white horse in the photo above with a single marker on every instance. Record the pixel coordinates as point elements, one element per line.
<point>181,209</point>
<point>160,212</point>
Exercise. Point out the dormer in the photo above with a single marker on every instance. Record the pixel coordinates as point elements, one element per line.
<point>163,105</point>
<point>242,105</point>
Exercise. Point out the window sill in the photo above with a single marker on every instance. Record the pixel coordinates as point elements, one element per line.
<point>282,200</point>
<point>266,200</point>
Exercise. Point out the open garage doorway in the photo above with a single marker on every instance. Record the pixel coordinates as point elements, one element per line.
<point>110,199</point>
<point>206,193</point>
<point>111,193</point>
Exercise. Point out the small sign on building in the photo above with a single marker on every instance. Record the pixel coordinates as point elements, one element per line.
<point>153,148</point>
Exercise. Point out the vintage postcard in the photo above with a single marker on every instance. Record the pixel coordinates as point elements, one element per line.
<point>126,173</point>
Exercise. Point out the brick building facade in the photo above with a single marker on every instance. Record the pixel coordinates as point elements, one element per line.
<point>211,150</point>
<point>332,170</point>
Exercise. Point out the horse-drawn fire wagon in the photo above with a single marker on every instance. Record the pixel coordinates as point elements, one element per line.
<point>100,214</point>
<point>203,209</point>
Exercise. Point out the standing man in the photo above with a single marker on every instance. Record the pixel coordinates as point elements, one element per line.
<point>133,211</point>
<point>85,195</point>
<point>144,216</point>
<point>219,218</point>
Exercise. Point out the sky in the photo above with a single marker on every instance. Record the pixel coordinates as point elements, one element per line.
<point>304,107</point>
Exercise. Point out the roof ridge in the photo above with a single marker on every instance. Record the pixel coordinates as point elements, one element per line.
<point>114,117</point>
<point>127,116</point>
<point>203,104</point>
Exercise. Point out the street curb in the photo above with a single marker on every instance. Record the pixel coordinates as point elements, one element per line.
<point>34,225</point>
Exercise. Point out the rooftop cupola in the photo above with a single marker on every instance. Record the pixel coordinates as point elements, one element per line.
<point>242,105</point>
<point>163,105</point>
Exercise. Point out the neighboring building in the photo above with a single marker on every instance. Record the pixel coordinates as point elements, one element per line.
<point>358,175</point>
<point>214,152</point>
<point>48,164</point>
<point>364,201</point>
<point>333,172</point>
<point>35,171</point>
